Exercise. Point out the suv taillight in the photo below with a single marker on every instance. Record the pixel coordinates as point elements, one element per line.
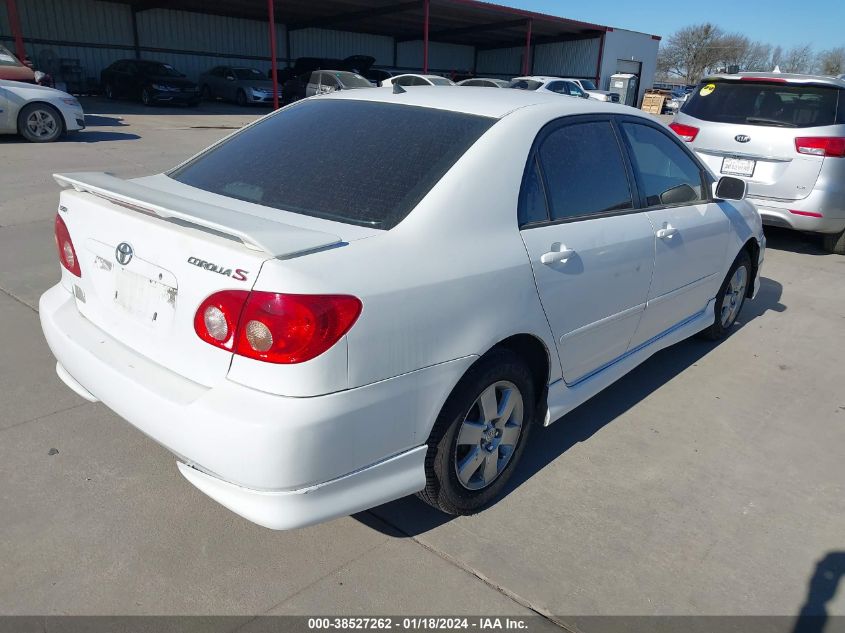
<point>828,146</point>
<point>64,245</point>
<point>686,132</point>
<point>275,327</point>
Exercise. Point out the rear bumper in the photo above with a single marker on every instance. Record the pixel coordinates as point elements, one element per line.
<point>279,461</point>
<point>791,215</point>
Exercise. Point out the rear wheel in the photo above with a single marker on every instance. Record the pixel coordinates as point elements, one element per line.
<point>241,98</point>
<point>731,297</point>
<point>480,435</point>
<point>40,123</point>
<point>835,243</point>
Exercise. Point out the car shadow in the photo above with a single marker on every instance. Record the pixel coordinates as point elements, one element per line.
<point>782,239</point>
<point>98,120</point>
<point>410,517</point>
<point>115,108</point>
<point>821,589</point>
<point>93,136</point>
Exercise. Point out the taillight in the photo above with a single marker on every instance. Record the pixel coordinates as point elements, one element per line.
<point>686,132</point>
<point>828,146</point>
<point>275,327</point>
<point>64,245</point>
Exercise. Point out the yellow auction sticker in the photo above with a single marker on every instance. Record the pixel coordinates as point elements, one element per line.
<point>706,90</point>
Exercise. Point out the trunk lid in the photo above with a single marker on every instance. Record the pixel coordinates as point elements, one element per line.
<point>148,259</point>
<point>765,157</point>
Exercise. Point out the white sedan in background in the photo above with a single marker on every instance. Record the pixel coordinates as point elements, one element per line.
<point>557,85</point>
<point>410,79</point>
<point>38,113</point>
<point>312,345</point>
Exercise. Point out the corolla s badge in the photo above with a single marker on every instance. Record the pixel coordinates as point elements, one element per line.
<point>123,253</point>
<point>742,138</point>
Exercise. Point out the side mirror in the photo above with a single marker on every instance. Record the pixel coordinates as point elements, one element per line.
<point>584,95</point>
<point>729,188</point>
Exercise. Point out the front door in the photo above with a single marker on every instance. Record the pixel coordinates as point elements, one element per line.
<point>691,231</point>
<point>591,252</point>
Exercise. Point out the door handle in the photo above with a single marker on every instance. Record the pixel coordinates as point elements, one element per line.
<point>558,254</point>
<point>667,232</point>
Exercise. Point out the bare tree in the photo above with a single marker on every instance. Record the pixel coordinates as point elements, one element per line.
<point>799,59</point>
<point>736,49</point>
<point>691,52</point>
<point>832,61</point>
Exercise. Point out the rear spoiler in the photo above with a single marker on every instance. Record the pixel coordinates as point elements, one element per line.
<point>274,238</point>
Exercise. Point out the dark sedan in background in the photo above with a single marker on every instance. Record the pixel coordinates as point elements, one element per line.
<point>150,81</point>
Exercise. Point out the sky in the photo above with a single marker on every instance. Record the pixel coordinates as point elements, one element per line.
<point>820,23</point>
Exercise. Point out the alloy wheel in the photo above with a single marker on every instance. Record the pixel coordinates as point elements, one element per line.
<point>42,123</point>
<point>489,434</point>
<point>734,296</point>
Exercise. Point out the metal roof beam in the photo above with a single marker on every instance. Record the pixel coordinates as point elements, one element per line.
<point>355,16</point>
<point>466,30</point>
<point>547,39</point>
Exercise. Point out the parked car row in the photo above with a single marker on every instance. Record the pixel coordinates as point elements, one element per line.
<point>784,135</point>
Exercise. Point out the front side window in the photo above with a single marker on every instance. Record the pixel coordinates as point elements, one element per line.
<point>557,86</point>
<point>574,90</point>
<point>584,172</point>
<point>248,73</point>
<point>665,173</point>
<point>359,162</point>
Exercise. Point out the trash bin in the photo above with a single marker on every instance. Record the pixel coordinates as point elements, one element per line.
<point>626,86</point>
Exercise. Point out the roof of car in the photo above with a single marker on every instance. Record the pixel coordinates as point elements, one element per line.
<point>542,78</point>
<point>788,77</point>
<point>481,101</point>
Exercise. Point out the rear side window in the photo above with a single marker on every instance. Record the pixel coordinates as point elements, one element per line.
<point>584,172</point>
<point>665,173</point>
<point>755,103</point>
<point>358,162</point>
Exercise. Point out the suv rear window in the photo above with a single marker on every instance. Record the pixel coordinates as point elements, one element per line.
<point>756,103</point>
<point>359,162</point>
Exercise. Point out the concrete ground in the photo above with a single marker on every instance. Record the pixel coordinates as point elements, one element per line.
<point>708,481</point>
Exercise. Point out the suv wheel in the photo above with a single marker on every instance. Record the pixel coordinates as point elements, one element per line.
<point>835,243</point>
<point>480,435</point>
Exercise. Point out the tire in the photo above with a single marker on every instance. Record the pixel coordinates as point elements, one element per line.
<point>205,93</point>
<point>40,123</point>
<point>240,98</point>
<point>482,447</point>
<point>108,90</point>
<point>834,243</point>
<point>733,289</point>
<point>146,96</point>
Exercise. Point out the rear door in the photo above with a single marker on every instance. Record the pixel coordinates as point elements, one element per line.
<point>591,252</point>
<point>748,130</point>
<point>691,232</point>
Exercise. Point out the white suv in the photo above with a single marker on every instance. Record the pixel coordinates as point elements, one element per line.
<point>356,298</point>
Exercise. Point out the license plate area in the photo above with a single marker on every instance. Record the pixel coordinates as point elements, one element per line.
<point>146,300</point>
<point>738,166</point>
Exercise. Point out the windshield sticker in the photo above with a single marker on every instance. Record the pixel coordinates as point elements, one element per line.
<point>706,90</point>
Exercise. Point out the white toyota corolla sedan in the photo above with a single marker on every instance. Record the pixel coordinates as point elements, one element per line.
<point>371,295</point>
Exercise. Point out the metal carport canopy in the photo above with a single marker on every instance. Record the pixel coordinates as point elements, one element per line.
<point>470,22</point>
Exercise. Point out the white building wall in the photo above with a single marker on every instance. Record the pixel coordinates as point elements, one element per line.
<point>629,46</point>
<point>500,62</point>
<point>578,58</point>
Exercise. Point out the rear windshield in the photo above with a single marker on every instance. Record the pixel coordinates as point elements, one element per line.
<point>248,73</point>
<point>754,103</point>
<point>359,162</point>
<point>352,80</point>
<point>441,81</point>
<point>525,84</point>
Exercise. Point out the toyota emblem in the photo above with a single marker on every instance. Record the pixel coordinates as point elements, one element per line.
<point>123,253</point>
<point>742,138</point>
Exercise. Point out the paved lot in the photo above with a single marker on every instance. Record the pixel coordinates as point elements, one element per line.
<point>709,481</point>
